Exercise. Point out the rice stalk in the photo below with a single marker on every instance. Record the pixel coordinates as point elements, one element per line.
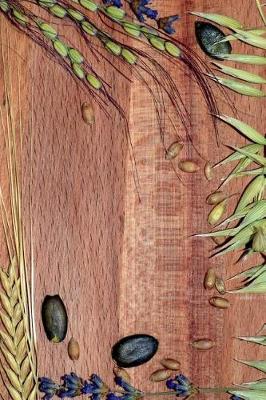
<point>223,20</point>
<point>260,9</point>
<point>260,365</point>
<point>238,87</point>
<point>240,74</point>
<point>243,58</point>
<point>18,341</point>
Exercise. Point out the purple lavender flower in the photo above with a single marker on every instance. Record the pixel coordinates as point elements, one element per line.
<point>116,3</point>
<point>181,385</point>
<point>166,23</point>
<point>140,9</point>
<point>48,387</point>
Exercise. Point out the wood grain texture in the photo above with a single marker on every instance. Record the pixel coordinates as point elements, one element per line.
<point>120,265</point>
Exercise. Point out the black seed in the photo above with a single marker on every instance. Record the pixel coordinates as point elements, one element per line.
<point>207,35</point>
<point>54,318</point>
<point>134,350</point>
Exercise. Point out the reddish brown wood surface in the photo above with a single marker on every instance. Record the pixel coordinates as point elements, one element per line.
<point>124,266</point>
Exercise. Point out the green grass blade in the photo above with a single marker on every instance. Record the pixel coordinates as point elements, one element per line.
<point>240,74</point>
<point>244,128</point>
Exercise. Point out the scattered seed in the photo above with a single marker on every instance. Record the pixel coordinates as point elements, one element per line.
<point>188,166</point>
<point>208,171</point>
<point>203,344</point>
<point>209,38</point>
<point>215,198</point>
<point>54,318</point>
<point>73,349</point>
<point>217,212</point>
<point>219,302</point>
<point>160,375</point>
<point>209,279</point>
<point>88,113</point>
<point>220,285</point>
<point>173,151</point>
<point>218,240</point>
<point>121,373</point>
<point>170,363</point>
<point>134,350</point>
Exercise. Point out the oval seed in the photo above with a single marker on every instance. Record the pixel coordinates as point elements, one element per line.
<point>188,166</point>
<point>219,302</point>
<point>208,36</point>
<point>88,113</point>
<point>173,150</point>
<point>208,171</point>
<point>134,350</point>
<point>121,373</point>
<point>170,363</point>
<point>215,198</point>
<point>160,375</point>
<point>54,318</point>
<point>218,240</point>
<point>209,279</point>
<point>217,212</point>
<point>219,284</point>
<point>73,349</point>
<point>203,344</point>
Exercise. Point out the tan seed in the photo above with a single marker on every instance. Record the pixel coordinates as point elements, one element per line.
<point>170,363</point>
<point>121,373</point>
<point>173,150</point>
<point>219,302</point>
<point>188,166</point>
<point>208,171</point>
<point>215,198</point>
<point>203,344</point>
<point>160,375</point>
<point>73,349</point>
<point>88,113</point>
<point>218,240</point>
<point>220,285</point>
<point>209,279</point>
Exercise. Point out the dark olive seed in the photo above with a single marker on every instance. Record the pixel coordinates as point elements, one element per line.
<point>134,350</point>
<point>54,318</point>
<point>208,36</point>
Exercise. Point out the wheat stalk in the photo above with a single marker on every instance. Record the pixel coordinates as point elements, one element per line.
<point>17,341</point>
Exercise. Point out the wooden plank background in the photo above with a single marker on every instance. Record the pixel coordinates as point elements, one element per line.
<point>120,265</point>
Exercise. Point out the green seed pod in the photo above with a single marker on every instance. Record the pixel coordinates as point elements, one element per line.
<point>78,16</point>
<point>47,3</point>
<point>47,30</point>
<point>157,43</point>
<point>90,5</point>
<point>75,56</point>
<point>132,29</point>
<point>19,17</point>
<point>60,48</point>
<point>172,49</point>
<point>130,57</point>
<point>217,212</point>
<point>78,70</point>
<point>54,318</point>
<point>88,28</point>
<point>4,6</point>
<point>93,81</point>
<point>58,11</point>
<point>113,47</point>
<point>115,12</point>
